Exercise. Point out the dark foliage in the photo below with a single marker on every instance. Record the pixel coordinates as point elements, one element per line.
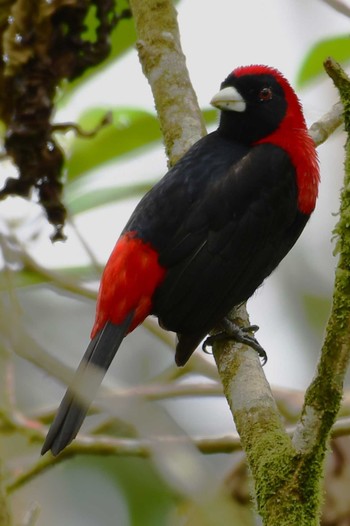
<point>42,45</point>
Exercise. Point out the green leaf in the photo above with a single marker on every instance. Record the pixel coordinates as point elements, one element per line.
<point>312,66</point>
<point>130,129</point>
<point>139,128</point>
<point>122,39</point>
<point>103,196</point>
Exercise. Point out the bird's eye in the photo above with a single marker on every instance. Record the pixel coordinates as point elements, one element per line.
<point>265,94</point>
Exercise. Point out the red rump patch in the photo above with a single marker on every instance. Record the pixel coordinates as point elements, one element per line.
<point>293,137</point>
<point>128,282</point>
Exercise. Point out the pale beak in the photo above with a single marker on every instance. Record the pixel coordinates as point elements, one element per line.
<point>229,99</point>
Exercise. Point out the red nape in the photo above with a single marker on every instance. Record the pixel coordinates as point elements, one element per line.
<point>128,282</point>
<point>292,136</point>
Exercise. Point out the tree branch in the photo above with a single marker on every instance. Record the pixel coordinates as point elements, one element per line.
<point>324,127</point>
<point>105,445</point>
<point>164,66</point>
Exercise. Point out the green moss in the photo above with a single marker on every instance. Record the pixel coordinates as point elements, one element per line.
<point>287,484</point>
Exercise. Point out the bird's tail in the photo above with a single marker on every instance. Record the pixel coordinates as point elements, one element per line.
<point>84,386</point>
<point>186,345</point>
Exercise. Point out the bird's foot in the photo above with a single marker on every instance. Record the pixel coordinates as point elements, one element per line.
<point>243,335</point>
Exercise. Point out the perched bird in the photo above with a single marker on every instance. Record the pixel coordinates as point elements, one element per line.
<point>204,238</point>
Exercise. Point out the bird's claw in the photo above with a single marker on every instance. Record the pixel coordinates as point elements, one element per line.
<point>242,335</point>
<point>208,342</point>
<point>249,328</point>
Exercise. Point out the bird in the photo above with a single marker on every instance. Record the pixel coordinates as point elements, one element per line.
<point>206,236</point>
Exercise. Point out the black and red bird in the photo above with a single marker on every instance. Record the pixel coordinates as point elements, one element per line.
<point>205,237</point>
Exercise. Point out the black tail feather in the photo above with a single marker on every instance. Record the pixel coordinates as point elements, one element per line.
<point>185,347</point>
<point>84,386</point>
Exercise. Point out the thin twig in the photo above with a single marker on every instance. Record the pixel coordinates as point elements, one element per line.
<point>64,127</point>
<point>57,278</point>
<point>327,124</point>
<point>88,250</point>
<point>137,447</point>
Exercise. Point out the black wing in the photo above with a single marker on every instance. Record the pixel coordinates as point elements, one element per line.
<point>232,237</point>
<point>160,212</point>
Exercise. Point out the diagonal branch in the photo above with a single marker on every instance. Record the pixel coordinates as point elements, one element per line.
<point>327,124</point>
<point>164,66</point>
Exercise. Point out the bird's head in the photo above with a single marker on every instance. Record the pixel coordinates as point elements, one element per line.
<point>254,101</point>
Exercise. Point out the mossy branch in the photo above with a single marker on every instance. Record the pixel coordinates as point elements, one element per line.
<point>323,397</point>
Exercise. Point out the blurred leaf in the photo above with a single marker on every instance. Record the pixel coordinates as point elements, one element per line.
<point>122,39</point>
<point>28,277</point>
<point>131,129</point>
<point>312,66</point>
<point>104,196</point>
<point>21,278</point>
<point>317,310</point>
<point>210,116</point>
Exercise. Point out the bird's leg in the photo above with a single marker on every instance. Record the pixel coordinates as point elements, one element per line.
<point>243,335</point>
